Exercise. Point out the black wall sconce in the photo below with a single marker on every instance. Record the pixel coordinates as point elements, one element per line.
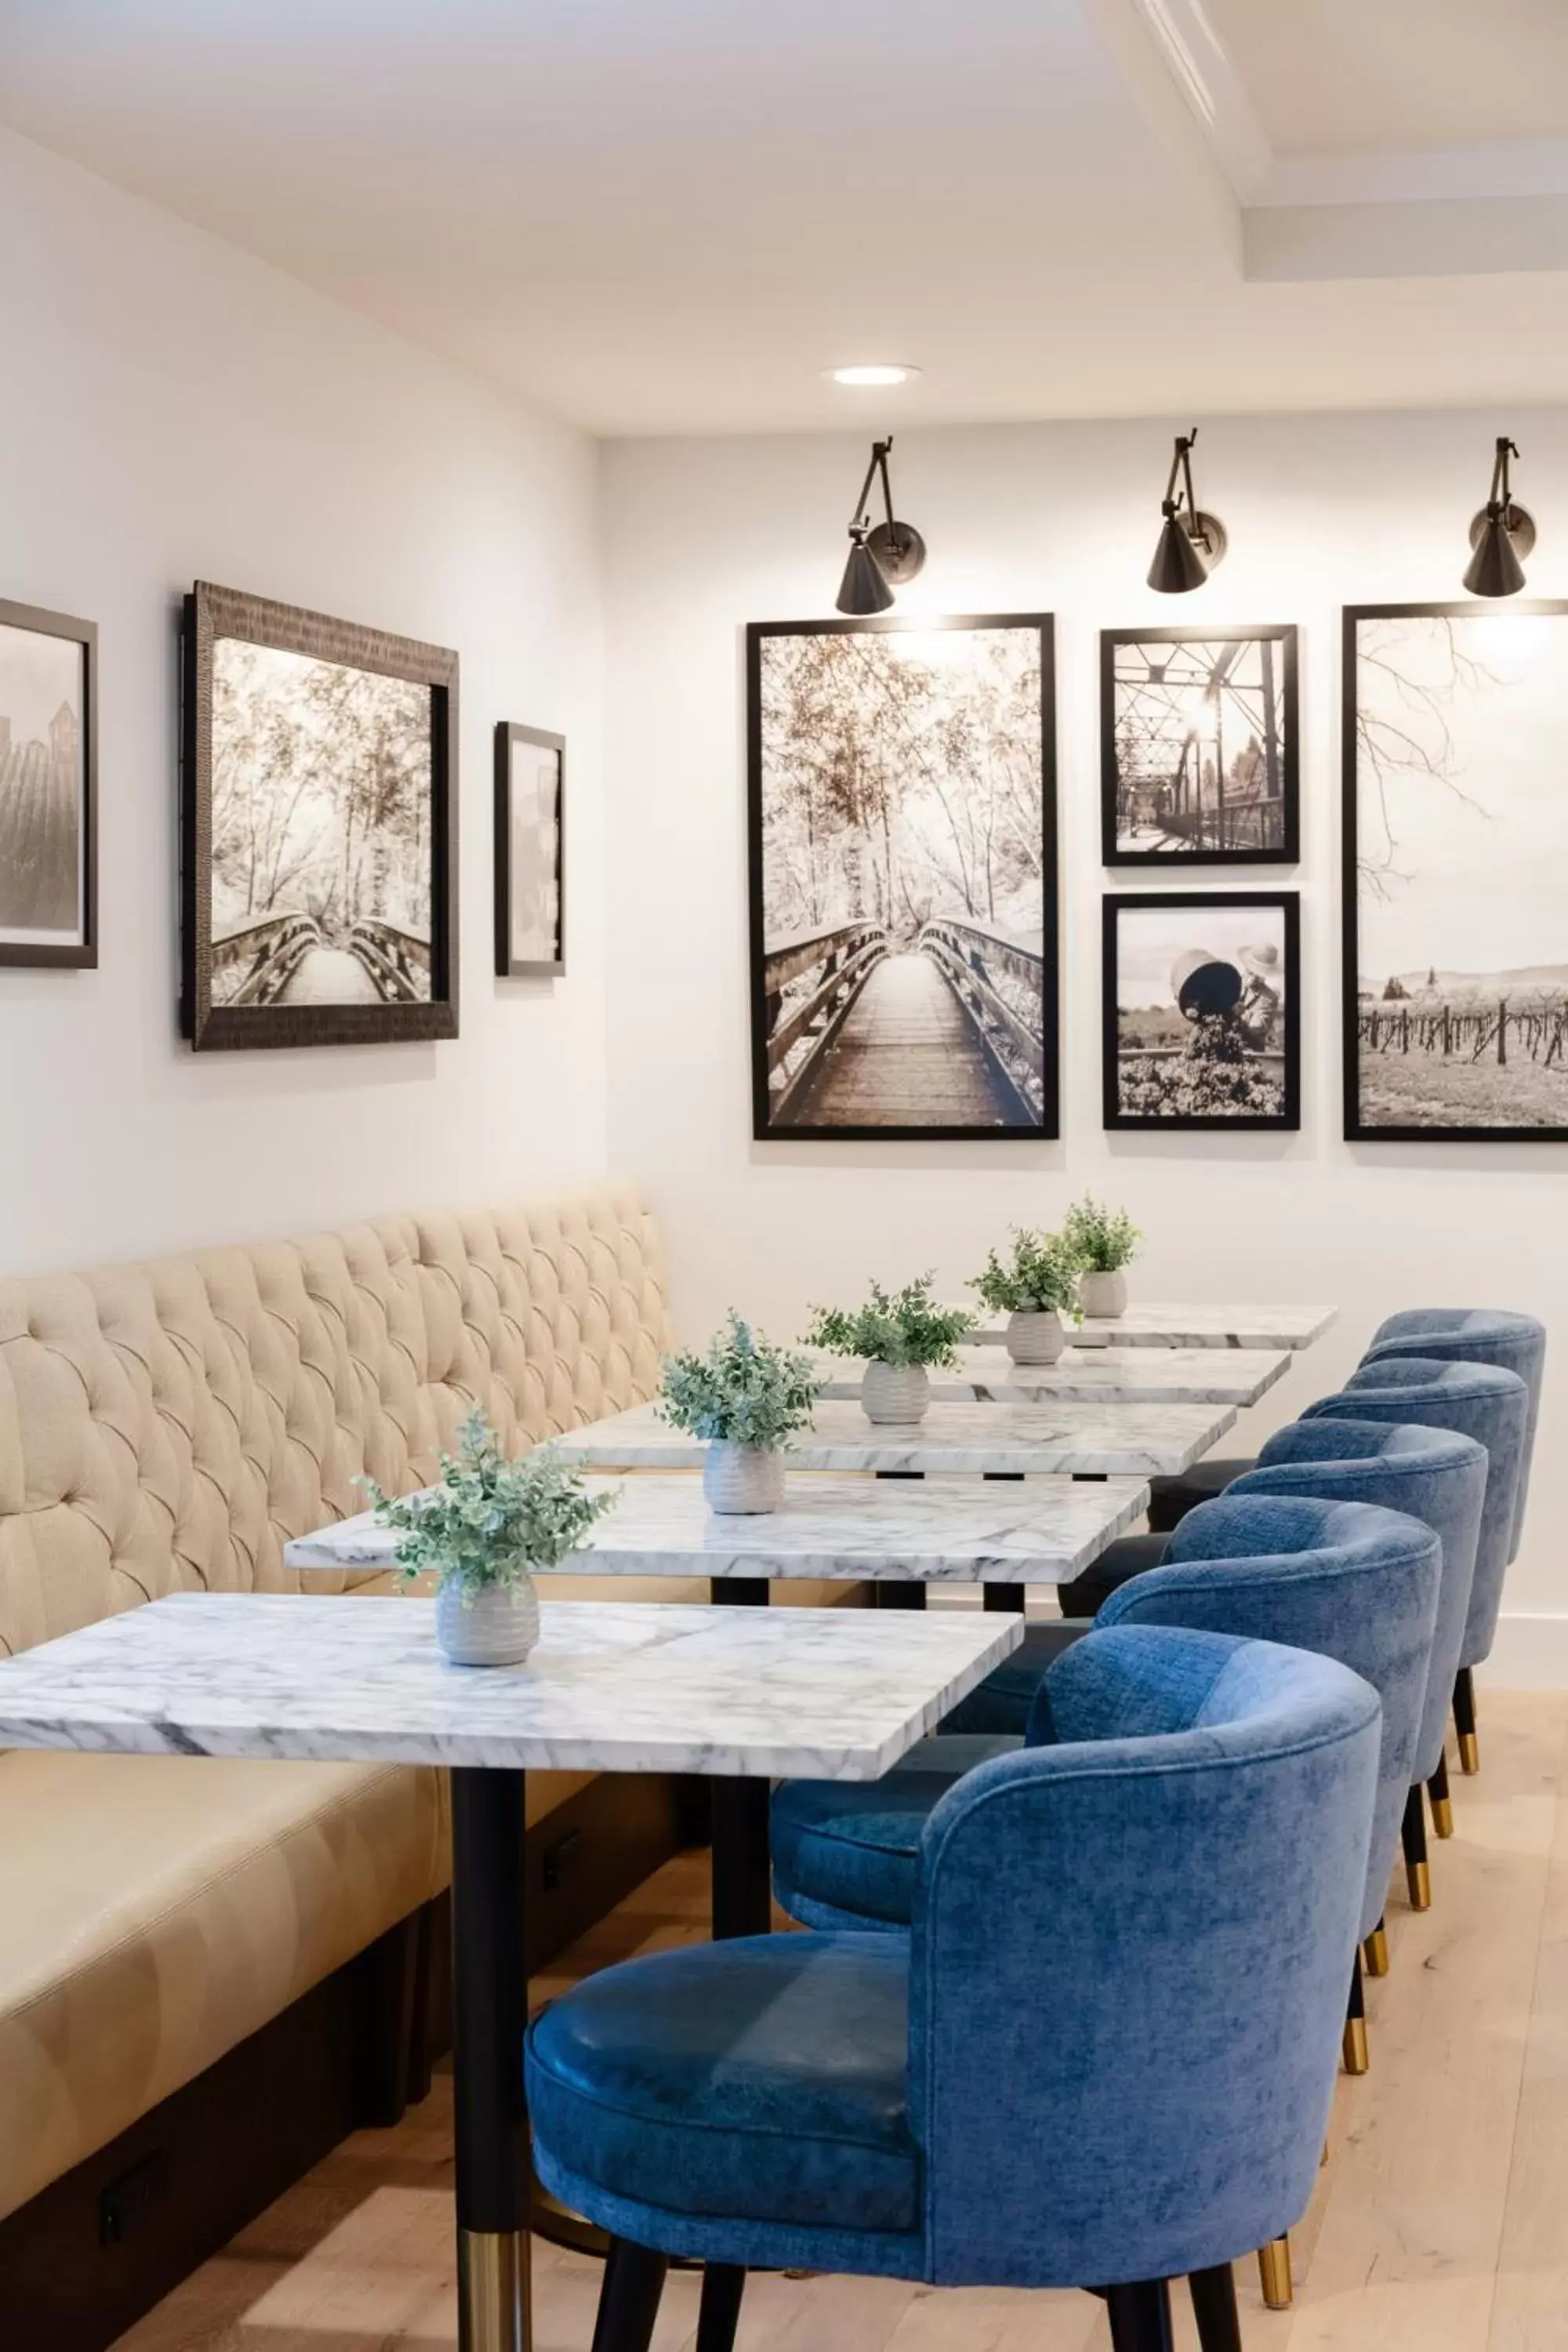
<point>882,557</point>
<point>1500,534</point>
<point>1191,542</point>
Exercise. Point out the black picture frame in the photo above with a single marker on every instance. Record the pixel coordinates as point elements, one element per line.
<point>1357,1128</point>
<point>508,737</point>
<point>1286,635</point>
<point>212,614</point>
<point>81,954</point>
<point>1287,904</point>
<point>765,983</point>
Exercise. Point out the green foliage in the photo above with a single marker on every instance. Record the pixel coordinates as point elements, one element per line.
<point>743,1389</point>
<point>1102,1240</point>
<point>486,1521</point>
<point>901,1327</point>
<point>1037,1276</point>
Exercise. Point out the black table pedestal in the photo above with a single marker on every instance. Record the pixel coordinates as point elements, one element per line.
<point>489,2017</point>
<point>742,1888</point>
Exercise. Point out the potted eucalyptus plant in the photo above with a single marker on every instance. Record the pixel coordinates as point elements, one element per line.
<point>1104,1242</point>
<point>746,1396</point>
<point>1034,1284</point>
<point>482,1527</point>
<point>899,1335</point>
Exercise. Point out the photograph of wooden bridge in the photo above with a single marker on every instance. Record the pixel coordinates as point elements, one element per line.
<point>321,833</point>
<point>901,978</point>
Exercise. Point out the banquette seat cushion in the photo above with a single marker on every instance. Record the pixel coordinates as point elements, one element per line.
<point>169,1426</point>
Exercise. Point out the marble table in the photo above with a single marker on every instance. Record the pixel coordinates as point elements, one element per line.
<point>942,1530</point>
<point>1100,1376</point>
<point>1157,1325</point>
<point>835,1694</point>
<point>1003,1440</point>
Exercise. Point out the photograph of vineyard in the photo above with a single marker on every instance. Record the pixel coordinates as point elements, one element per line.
<point>43,680</point>
<point>1456,850</point>
<point>321,832</point>
<point>1201,1010</point>
<point>902,827</point>
<point>1198,762</point>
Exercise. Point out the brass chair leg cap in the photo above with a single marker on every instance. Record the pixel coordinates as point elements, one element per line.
<point>1376,1950</point>
<point>1469,1752</point>
<point>1443,1816</point>
<point>1419,1879</point>
<point>1353,2049</point>
<point>1274,2270</point>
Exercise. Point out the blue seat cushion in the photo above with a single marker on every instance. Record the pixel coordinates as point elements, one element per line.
<point>851,1850</point>
<point>765,2079</point>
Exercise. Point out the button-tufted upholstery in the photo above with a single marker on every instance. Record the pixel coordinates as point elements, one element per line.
<point>169,1426</point>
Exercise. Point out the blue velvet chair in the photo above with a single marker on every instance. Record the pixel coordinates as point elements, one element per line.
<point>901,2106</point>
<point>1485,1401</point>
<point>1480,1335</point>
<point>1349,1580</point>
<point>1439,1477</point>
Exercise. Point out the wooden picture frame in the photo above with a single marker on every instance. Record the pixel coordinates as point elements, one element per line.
<point>269,978</point>
<point>1454,998</point>
<point>48,854</point>
<point>1176,790</point>
<point>977,1018</point>
<point>530,907</point>
<point>1207,964</point>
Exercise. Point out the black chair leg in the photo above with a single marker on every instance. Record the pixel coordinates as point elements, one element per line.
<point>723,2284</point>
<point>628,2300</point>
<point>1353,2047</point>
<point>1214,2309</point>
<point>1140,2316</point>
<point>1464,1721</point>
<point>1412,1832</point>
<point>1442,1803</point>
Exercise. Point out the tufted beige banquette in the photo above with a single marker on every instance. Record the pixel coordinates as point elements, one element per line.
<point>169,1427</point>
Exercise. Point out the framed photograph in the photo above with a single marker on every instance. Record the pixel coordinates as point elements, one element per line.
<point>1201,1010</point>
<point>902,790</point>
<point>530,874</point>
<point>1456,831</point>
<point>319,829</point>
<point>49,788</point>
<point>1198,752</point>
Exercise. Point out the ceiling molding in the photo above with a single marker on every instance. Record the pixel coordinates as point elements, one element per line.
<point>1201,69</point>
<point>1488,168</point>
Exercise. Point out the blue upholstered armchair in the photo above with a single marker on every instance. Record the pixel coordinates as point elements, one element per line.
<point>1439,1477</point>
<point>1475,1335</point>
<point>1348,1580</point>
<point>1490,1404</point>
<point>900,2105</point>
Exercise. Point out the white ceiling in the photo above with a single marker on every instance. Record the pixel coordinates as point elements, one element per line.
<point>664,216</point>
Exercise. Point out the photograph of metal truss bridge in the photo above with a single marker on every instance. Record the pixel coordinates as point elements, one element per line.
<point>1199,747</point>
<point>902,872</point>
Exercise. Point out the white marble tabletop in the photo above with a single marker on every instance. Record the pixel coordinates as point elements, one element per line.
<point>936,1531</point>
<point>1046,1439</point>
<point>1158,1326</point>
<point>1098,1376</point>
<point>831,1694</point>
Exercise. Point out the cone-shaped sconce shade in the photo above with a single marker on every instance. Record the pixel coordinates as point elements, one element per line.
<point>1177,565</point>
<point>863,589</point>
<point>1495,568</point>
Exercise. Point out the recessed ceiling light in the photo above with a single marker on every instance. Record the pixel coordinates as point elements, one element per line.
<point>871,373</point>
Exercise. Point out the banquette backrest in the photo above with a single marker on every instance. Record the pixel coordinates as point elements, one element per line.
<point>170,1425</point>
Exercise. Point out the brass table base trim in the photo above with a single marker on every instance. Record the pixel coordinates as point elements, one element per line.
<point>1274,2272</point>
<point>493,2313</point>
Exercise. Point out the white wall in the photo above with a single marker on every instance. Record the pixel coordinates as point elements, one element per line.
<point>169,410</point>
<point>704,536</point>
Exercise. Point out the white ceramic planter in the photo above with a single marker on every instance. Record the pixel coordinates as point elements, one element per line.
<point>1036,1338</point>
<point>743,1477</point>
<point>895,1391</point>
<point>497,1628</point>
<point>1104,1295</point>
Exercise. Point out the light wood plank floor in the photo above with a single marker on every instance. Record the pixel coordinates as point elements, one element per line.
<point>1440,2223</point>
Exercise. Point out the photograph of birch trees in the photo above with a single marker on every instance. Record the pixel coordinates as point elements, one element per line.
<point>903,974</point>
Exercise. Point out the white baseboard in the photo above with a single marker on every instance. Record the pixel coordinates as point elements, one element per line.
<point>1530,1652</point>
